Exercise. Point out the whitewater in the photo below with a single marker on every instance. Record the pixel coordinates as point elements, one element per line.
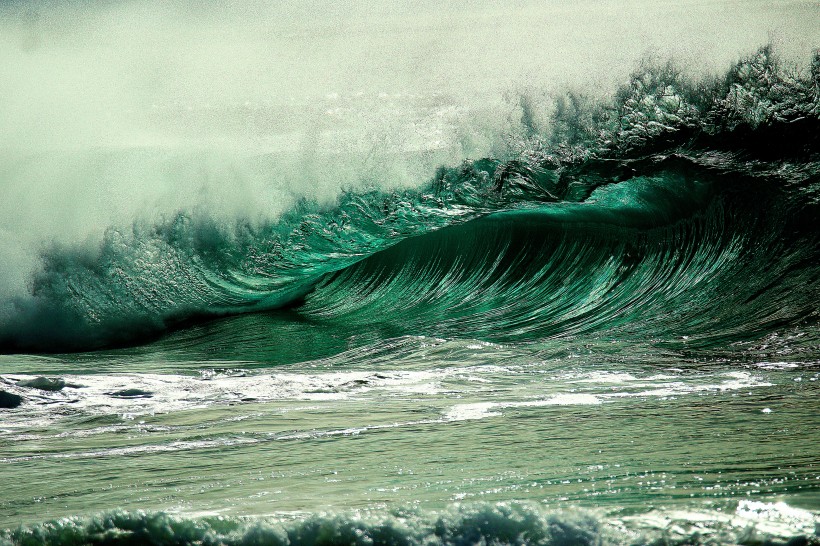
<point>462,273</point>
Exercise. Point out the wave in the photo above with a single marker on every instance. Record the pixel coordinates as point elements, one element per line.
<point>502,523</point>
<point>678,209</point>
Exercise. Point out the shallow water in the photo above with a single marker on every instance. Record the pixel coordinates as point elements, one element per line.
<point>423,423</point>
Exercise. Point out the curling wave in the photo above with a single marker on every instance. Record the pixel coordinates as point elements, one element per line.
<point>680,209</point>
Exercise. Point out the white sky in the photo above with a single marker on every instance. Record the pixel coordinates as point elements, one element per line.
<point>94,68</point>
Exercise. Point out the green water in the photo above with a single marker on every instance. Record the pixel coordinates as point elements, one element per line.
<point>611,338</point>
<point>436,423</point>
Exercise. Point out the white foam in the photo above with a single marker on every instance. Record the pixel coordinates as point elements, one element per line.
<point>483,410</point>
<point>466,412</point>
<point>165,393</point>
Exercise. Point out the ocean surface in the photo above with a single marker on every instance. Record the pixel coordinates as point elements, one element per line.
<point>605,331</point>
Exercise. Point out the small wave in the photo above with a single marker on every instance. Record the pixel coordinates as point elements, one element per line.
<point>504,523</point>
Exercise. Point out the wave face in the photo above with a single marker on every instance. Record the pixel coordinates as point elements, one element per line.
<point>679,210</point>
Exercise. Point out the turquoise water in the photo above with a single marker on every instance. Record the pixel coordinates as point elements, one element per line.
<point>609,338</point>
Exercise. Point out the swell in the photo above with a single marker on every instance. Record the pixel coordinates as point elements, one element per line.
<point>678,210</point>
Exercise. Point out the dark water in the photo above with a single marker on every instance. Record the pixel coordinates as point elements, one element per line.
<point>610,338</point>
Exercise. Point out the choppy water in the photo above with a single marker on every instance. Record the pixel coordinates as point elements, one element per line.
<point>610,337</point>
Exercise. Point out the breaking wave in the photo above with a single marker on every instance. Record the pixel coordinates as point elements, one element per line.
<point>678,209</point>
<point>503,523</point>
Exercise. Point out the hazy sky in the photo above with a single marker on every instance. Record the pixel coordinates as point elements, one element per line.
<point>81,70</point>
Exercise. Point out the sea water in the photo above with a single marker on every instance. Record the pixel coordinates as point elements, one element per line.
<point>443,313</point>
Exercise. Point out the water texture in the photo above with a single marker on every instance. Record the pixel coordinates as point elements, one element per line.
<point>606,335</point>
